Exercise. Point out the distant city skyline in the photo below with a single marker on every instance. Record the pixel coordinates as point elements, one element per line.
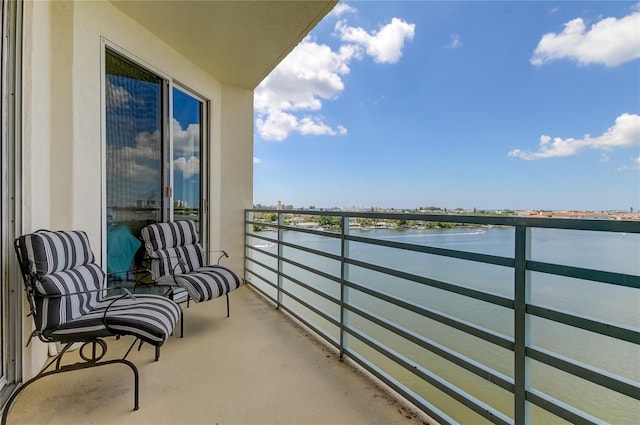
<point>435,208</point>
<point>488,105</point>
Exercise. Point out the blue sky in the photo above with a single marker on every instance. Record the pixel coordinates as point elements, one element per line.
<point>489,105</point>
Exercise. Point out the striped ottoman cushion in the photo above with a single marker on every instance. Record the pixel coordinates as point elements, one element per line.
<point>148,317</point>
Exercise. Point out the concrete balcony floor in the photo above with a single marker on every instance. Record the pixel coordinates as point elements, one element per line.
<point>256,367</point>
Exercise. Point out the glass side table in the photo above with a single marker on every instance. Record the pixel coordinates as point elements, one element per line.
<point>136,281</point>
<point>140,281</point>
<point>162,290</point>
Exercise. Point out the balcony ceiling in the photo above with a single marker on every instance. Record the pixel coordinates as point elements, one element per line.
<point>237,42</point>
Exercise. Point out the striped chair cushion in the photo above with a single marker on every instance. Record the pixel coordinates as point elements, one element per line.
<point>66,281</point>
<point>49,252</point>
<point>148,317</point>
<point>209,282</point>
<point>177,259</point>
<point>182,259</point>
<point>68,293</point>
<point>173,247</point>
<point>81,286</point>
<point>170,235</point>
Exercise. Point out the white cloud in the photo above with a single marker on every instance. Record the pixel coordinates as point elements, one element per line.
<point>186,145</point>
<point>188,167</point>
<point>312,73</point>
<point>146,146</point>
<point>634,167</point>
<point>256,160</point>
<point>117,96</point>
<point>609,41</point>
<point>624,133</point>
<point>385,46</point>
<point>136,167</point>
<point>130,174</point>
<point>186,142</point>
<point>455,42</point>
<point>341,9</point>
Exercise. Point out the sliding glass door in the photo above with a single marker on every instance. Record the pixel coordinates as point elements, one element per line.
<point>154,143</point>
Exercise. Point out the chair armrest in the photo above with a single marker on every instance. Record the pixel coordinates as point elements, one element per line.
<point>223,254</point>
<point>127,294</point>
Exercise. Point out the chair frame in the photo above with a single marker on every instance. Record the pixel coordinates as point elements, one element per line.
<point>159,239</point>
<point>183,262</point>
<point>97,345</point>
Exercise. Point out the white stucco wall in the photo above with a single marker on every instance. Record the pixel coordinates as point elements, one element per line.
<point>62,115</point>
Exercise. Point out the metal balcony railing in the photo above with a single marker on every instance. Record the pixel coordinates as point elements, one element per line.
<point>534,321</point>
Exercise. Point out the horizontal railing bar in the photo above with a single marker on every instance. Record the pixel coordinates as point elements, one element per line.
<point>262,278</point>
<point>460,290</point>
<point>261,223</point>
<point>267,253</point>
<point>256,274</point>
<point>610,278</point>
<point>462,255</point>
<point>263,265</point>
<point>401,389</point>
<point>624,226</point>
<point>258,235</point>
<point>264,293</point>
<point>324,315</point>
<point>592,374</point>
<point>311,251</point>
<point>327,337</point>
<point>311,270</point>
<point>311,289</point>
<point>606,329</point>
<point>443,385</point>
<point>471,365</point>
<point>461,325</point>
<point>311,231</point>
<point>621,385</point>
<point>561,409</point>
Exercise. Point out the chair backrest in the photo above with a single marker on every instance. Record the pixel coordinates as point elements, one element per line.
<point>59,271</point>
<point>173,247</point>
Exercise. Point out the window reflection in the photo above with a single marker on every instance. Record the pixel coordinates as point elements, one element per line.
<point>187,131</point>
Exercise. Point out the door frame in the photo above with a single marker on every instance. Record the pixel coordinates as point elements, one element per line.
<point>169,83</point>
<point>11,199</point>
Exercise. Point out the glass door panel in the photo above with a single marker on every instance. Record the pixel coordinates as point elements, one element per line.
<point>187,164</point>
<point>134,151</point>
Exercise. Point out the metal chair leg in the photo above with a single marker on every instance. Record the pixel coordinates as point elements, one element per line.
<point>68,368</point>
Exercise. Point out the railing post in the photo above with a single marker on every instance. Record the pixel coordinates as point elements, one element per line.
<point>344,295</point>
<point>521,328</point>
<point>280,255</point>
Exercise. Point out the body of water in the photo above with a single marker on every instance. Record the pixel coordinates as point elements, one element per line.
<point>616,305</point>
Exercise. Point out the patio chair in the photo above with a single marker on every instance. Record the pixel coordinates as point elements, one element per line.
<point>66,294</point>
<point>178,259</point>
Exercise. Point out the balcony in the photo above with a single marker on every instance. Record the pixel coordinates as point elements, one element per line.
<point>474,319</point>
<point>471,319</point>
<point>256,367</point>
